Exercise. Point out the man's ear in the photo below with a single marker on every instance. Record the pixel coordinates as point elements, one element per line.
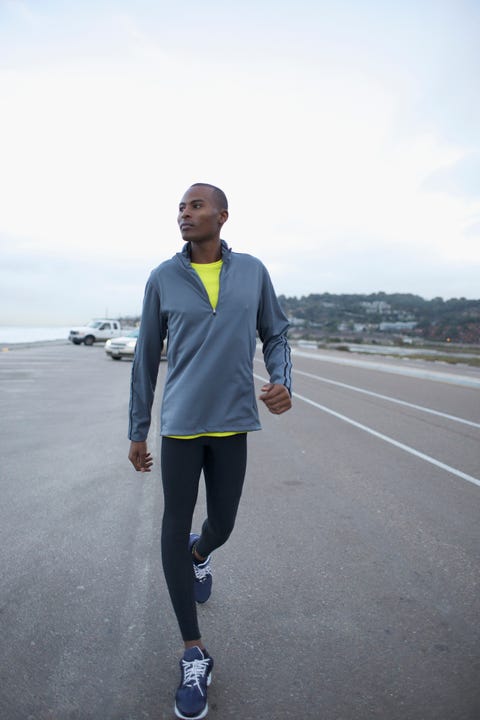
<point>223,217</point>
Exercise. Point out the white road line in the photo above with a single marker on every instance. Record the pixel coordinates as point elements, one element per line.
<point>386,438</point>
<point>426,374</point>
<point>389,398</point>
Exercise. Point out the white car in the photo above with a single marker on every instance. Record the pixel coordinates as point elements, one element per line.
<point>123,346</point>
<point>96,331</point>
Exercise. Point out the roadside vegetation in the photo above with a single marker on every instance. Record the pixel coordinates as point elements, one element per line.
<point>401,325</point>
<point>456,320</point>
<point>469,356</point>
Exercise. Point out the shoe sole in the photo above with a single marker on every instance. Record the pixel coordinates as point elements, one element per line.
<point>195,717</point>
<point>191,717</point>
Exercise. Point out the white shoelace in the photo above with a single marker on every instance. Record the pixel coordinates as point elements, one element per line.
<point>194,671</point>
<point>201,572</point>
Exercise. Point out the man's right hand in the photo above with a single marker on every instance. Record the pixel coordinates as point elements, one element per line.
<point>139,456</point>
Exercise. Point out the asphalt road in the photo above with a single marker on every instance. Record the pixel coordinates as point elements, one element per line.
<point>348,591</point>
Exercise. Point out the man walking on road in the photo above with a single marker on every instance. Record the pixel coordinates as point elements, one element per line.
<point>212,302</point>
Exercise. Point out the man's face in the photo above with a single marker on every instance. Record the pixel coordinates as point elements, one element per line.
<point>199,218</point>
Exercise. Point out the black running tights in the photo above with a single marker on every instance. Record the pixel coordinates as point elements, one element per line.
<point>223,461</point>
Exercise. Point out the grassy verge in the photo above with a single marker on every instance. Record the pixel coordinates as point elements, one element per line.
<point>445,356</point>
<point>451,359</point>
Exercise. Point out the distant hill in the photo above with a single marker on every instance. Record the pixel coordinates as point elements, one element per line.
<point>323,315</point>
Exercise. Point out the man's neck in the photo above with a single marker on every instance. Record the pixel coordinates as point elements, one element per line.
<point>206,252</point>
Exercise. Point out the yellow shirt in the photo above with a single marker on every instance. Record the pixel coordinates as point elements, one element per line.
<point>210,276</point>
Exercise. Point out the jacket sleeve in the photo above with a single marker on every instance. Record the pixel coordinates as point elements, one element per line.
<point>145,364</point>
<point>272,326</point>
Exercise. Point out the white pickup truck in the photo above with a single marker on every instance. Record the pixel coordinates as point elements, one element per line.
<point>97,330</point>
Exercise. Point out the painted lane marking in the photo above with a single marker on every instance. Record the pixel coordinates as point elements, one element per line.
<point>390,399</point>
<point>385,438</point>
<point>425,374</point>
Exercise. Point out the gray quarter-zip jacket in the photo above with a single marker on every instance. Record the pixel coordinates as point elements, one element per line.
<point>209,385</point>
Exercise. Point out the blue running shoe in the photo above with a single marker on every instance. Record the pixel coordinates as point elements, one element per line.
<point>191,697</point>
<point>203,574</point>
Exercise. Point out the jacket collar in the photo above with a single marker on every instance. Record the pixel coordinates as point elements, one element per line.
<point>184,255</point>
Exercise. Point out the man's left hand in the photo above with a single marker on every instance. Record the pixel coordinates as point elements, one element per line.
<point>276,398</point>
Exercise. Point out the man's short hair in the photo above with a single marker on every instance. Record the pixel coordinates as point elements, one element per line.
<point>219,195</point>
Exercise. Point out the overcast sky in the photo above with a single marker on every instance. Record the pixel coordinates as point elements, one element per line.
<point>345,133</point>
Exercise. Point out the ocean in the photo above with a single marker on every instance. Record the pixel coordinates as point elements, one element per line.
<point>12,334</point>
